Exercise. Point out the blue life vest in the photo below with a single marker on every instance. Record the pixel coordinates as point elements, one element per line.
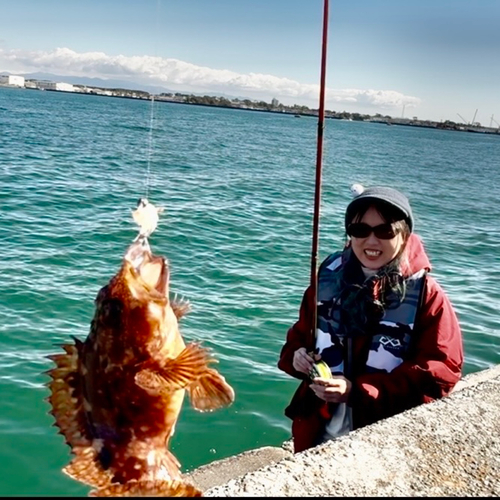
<point>390,338</point>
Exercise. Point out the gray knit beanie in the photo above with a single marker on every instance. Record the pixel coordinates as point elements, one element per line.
<point>387,195</point>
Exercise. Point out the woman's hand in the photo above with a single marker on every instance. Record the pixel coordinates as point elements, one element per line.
<point>332,390</point>
<point>302,362</point>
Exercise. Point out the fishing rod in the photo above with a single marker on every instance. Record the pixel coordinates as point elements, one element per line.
<point>319,158</point>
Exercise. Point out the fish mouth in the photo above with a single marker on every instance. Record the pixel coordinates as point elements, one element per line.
<point>153,270</point>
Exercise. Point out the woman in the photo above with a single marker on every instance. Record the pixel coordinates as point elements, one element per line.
<point>384,326</point>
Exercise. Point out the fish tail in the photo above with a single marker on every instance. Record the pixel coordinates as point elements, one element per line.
<point>210,391</point>
<point>149,488</point>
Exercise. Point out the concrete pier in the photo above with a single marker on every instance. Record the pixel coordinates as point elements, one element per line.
<point>450,447</point>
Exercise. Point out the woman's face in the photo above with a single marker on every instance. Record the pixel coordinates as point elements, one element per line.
<point>371,251</point>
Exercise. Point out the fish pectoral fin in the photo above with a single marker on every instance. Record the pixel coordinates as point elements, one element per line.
<point>210,391</point>
<point>149,488</point>
<point>152,381</point>
<point>177,373</point>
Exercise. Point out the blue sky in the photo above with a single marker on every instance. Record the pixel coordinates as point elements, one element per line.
<point>431,59</point>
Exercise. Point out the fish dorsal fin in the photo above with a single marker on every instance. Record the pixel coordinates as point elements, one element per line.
<point>67,403</point>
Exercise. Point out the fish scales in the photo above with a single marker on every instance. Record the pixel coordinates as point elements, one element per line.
<point>117,395</point>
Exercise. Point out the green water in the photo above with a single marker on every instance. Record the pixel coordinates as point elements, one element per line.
<point>238,189</point>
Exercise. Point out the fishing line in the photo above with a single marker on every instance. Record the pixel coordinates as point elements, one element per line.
<point>150,147</point>
<point>152,115</point>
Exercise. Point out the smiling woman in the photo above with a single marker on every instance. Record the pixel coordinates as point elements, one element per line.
<point>374,222</point>
<point>384,327</point>
<point>386,243</point>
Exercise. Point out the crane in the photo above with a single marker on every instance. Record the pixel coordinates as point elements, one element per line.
<point>493,120</point>
<point>473,122</point>
<point>474,119</point>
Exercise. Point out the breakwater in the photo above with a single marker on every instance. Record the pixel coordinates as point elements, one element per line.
<point>450,447</point>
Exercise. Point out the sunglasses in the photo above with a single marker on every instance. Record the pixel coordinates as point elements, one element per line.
<point>362,230</point>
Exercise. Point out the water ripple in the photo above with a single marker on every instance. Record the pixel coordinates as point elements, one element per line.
<point>238,190</point>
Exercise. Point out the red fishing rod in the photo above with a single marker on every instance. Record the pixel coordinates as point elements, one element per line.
<point>319,159</point>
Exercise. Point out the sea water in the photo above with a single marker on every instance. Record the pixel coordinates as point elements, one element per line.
<point>238,192</point>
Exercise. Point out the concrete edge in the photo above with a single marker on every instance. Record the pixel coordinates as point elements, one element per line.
<point>475,378</point>
<point>221,471</point>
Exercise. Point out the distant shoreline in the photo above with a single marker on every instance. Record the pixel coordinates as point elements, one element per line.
<point>273,107</point>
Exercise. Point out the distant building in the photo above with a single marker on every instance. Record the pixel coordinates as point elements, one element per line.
<point>61,86</point>
<point>48,85</point>
<point>41,84</point>
<point>65,87</point>
<point>30,84</point>
<point>275,103</point>
<point>13,80</point>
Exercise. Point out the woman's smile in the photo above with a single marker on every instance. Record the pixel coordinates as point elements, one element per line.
<point>373,252</point>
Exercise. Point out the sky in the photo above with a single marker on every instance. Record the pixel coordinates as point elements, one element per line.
<point>433,59</point>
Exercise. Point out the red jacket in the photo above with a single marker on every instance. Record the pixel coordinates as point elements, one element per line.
<point>429,373</point>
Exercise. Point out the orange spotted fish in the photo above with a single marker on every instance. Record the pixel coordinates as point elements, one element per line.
<point>117,395</point>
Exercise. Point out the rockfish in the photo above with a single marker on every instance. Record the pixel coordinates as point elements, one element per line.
<point>116,396</point>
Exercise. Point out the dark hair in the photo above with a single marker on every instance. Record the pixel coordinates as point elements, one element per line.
<point>388,212</point>
<point>363,301</point>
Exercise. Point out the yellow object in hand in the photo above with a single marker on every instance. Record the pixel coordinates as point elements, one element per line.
<point>320,369</point>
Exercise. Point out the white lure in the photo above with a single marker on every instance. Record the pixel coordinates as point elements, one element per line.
<point>146,216</point>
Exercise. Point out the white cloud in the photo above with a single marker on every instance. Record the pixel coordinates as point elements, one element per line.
<point>180,75</point>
